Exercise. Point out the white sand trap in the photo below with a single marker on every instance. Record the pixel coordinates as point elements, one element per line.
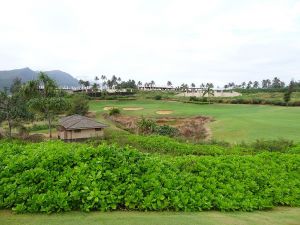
<point>109,108</point>
<point>172,101</point>
<point>164,112</point>
<point>133,108</point>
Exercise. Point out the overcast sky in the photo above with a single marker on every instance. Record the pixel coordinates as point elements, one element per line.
<point>178,40</point>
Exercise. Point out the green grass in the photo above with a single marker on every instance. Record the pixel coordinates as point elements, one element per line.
<point>278,216</point>
<point>233,123</point>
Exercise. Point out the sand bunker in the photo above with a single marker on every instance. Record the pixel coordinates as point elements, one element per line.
<point>133,108</point>
<point>164,112</point>
<point>109,108</point>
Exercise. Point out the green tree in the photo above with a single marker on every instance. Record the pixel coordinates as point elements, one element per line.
<point>13,108</point>
<point>249,85</point>
<point>255,84</point>
<point>79,104</point>
<point>277,83</point>
<point>45,99</point>
<point>288,93</point>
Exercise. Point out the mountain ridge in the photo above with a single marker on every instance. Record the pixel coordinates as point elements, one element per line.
<point>26,74</point>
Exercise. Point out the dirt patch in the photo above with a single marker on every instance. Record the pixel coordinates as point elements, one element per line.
<point>133,108</point>
<point>107,108</point>
<point>91,114</point>
<point>164,112</point>
<point>195,128</point>
<point>125,122</point>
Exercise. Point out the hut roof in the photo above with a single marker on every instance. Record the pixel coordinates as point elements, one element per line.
<point>76,122</point>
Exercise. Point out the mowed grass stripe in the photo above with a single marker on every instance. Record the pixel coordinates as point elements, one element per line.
<point>278,216</point>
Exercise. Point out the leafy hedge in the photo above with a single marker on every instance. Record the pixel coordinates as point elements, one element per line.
<point>167,145</point>
<point>56,176</point>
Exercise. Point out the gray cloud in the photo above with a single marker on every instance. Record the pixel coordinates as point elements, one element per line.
<point>185,41</point>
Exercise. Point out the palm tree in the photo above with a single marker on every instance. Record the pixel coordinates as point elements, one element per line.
<point>208,90</point>
<point>152,83</point>
<point>169,83</point>
<point>86,84</point>
<point>81,83</point>
<point>103,78</point>
<point>139,84</point>
<point>193,86</point>
<point>95,88</point>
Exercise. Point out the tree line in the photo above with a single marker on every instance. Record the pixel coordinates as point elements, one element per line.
<point>275,83</point>
<point>102,82</point>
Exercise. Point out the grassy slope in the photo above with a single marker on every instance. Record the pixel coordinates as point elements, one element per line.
<point>278,216</point>
<point>233,123</point>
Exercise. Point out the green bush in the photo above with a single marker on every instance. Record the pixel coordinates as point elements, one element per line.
<point>146,126</point>
<point>158,97</point>
<point>166,130</point>
<point>114,112</point>
<point>193,98</point>
<point>280,145</point>
<point>167,145</point>
<point>57,176</point>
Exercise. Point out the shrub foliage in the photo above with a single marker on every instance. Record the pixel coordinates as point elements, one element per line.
<point>55,176</point>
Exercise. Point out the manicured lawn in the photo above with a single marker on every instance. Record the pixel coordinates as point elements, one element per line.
<point>278,216</point>
<point>234,123</point>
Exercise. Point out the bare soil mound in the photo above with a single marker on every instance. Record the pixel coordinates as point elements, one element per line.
<point>164,112</point>
<point>133,108</point>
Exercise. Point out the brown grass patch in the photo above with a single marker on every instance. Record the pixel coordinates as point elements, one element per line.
<point>164,112</point>
<point>133,108</point>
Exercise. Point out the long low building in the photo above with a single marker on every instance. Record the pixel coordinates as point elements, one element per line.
<point>76,127</point>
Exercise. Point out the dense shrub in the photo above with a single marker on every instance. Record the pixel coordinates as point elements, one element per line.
<point>157,97</point>
<point>146,126</point>
<point>55,176</point>
<point>280,145</point>
<point>166,130</point>
<point>114,111</point>
<point>194,98</point>
<point>166,145</point>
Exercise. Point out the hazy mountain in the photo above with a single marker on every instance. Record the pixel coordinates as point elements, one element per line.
<point>26,74</point>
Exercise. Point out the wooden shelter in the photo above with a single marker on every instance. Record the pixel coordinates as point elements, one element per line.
<point>78,127</point>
